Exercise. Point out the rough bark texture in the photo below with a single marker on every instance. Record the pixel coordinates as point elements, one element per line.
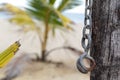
<point>106,39</point>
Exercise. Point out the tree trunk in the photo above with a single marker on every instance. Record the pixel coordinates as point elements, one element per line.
<point>44,44</point>
<point>106,39</point>
<point>46,32</point>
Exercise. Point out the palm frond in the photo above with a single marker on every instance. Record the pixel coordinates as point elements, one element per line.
<point>51,2</point>
<point>12,9</point>
<point>38,9</point>
<point>68,4</point>
<point>24,21</point>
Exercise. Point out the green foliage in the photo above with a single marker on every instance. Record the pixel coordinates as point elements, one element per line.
<point>52,17</point>
<point>20,17</point>
<point>12,9</point>
<point>68,4</point>
<point>38,9</point>
<point>45,11</point>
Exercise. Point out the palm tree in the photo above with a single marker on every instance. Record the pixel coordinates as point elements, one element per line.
<point>52,16</point>
<point>42,10</point>
<point>45,11</point>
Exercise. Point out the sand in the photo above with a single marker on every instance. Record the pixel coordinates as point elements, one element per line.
<point>44,71</point>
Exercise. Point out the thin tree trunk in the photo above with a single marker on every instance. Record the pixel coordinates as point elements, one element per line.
<point>106,40</point>
<point>44,44</point>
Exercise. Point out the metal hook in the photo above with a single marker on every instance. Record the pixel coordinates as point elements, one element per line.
<point>80,65</point>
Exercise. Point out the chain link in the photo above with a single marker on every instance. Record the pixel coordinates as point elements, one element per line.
<point>87,30</point>
<point>86,39</point>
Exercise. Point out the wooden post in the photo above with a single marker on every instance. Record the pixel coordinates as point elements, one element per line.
<point>106,40</point>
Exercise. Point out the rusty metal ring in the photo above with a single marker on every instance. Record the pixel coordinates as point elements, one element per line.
<point>92,62</point>
<point>80,65</point>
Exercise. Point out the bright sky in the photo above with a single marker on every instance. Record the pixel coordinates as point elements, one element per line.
<point>21,3</point>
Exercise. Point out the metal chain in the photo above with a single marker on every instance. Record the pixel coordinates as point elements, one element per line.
<point>86,39</point>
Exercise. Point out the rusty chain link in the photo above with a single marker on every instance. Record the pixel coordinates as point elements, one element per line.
<point>86,40</point>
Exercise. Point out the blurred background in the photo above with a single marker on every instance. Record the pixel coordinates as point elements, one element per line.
<point>49,32</point>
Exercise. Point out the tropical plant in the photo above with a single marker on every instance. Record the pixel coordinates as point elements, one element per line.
<point>19,17</point>
<point>52,16</point>
<point>46,11</point>
<point>43,10</point>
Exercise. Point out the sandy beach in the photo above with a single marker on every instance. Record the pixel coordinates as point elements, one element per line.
<point>30,44</point>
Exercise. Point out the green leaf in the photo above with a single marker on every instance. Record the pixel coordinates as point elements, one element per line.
<point>13,9</point>
<point>52,2</point>
<point>68,4</point>
<point>65,20</point>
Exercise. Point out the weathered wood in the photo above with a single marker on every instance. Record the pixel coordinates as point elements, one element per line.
<point>106,39</point>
